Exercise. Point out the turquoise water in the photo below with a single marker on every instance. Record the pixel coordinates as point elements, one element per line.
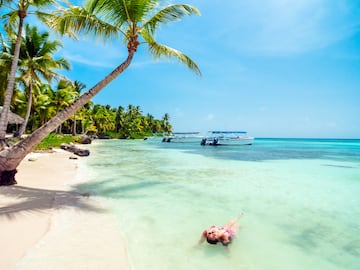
<point>300,199</point>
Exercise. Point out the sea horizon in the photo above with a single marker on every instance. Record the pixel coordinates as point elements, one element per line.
<point>284,137</point>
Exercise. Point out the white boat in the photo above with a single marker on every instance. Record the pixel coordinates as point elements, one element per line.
<point>183,137</point>
<point>227,138</point>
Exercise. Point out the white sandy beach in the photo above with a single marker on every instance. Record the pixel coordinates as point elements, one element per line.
<point>45,224</point>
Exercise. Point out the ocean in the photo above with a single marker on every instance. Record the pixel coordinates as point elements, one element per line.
<point>300,199</point>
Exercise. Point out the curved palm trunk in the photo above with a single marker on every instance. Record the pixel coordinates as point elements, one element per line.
<point>28,110</point>
<point>11,82</point>
<point>11,157</point>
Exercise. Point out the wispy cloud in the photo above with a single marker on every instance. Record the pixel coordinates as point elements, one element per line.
<point>210,117</point>
<point>262,108</point>
<point>141,64</point>
<point>287,26</point>
<point>179,112</point>
<point>332,125</point>
<point>89,61</point>
<point>91,53</point>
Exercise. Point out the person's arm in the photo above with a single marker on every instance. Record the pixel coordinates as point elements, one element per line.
<point>203,237</point>
<point>233,225</point>
<point>224,239</point>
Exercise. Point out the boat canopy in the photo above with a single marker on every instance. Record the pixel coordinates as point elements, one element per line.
<point>227,132</point>
<point>185,133</point>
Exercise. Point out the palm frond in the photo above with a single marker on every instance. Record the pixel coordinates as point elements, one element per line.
<point>159,50</point>
<point>169,14</point>
<point>10,22</point>
<point>78,20</point>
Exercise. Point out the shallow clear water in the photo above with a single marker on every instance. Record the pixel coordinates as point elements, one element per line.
<point>300,199</point>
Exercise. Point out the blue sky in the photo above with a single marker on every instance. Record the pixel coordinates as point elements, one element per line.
<point>275,68</point>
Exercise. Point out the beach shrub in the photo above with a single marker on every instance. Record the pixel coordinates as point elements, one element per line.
<point>55,140</point>
<point>123,135</point>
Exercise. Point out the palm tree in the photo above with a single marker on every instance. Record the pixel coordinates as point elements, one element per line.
<point>36,61</point>
<point>165,123</point>
<point>86,119</point>
<point>88,123</point>
<point>6,57</point>
<point>43,105</point>
<point>78,86</point>
<point>65,95</point>
<point>4,66</point>
<point>104,118</point>
<point>135,20</point>
<point>150,120</point>
<point>119,119</point>
<point>19,10</point>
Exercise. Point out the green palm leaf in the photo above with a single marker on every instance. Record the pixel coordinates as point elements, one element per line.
<point>77,20</point>
<point>159,50</point>
<point>169,14</point>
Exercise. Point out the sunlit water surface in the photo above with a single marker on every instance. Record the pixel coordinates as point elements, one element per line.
<point>300,199</point>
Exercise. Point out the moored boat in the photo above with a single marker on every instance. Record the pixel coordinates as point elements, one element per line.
<point>183,137</point>
<point>227,138</point>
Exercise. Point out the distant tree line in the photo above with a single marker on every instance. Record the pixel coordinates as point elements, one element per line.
<point>41,92</point>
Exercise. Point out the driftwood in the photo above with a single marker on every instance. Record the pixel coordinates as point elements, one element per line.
<point>73,149</point>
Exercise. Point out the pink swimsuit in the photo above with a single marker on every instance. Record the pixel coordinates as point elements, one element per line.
<point>229,231</point>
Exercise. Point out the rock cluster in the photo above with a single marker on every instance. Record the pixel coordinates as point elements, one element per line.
<point>74,149</point>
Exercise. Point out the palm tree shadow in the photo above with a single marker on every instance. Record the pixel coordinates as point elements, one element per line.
<point>25,200</point>
<point>107,189</point>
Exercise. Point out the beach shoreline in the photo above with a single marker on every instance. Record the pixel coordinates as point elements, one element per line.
<point>45,223</point>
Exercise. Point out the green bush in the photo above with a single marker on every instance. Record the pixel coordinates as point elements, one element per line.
<point>55,140</point>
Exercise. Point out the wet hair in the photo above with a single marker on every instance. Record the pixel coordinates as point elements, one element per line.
<point>212,242</point>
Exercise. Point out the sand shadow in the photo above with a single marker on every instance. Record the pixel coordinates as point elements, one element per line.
<point>115,189</point>
<point>34,200</point>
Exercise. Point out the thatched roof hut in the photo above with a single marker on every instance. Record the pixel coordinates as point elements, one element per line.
<point>13,117</point>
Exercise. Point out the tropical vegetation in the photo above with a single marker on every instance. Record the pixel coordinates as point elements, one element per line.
<point>136,21</point>
<point>14,19</point>
<point>38,101</point>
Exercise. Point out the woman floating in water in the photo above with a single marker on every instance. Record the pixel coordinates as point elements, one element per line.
<point>224,234</point>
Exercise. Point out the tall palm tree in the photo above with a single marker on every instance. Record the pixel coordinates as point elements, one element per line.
<point>43,105</point>
<point>104,118</point>
<point>3,79</point>
<point>136,21</point>
<point>36,61</point>
<point>165,123</point>
<point>119,119</point>
<point>6,57</point>
<point>86,120</point>
<point>150,120</point>
<point>16,16</point>
<point>65,94</point>
<point>78,87</point>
